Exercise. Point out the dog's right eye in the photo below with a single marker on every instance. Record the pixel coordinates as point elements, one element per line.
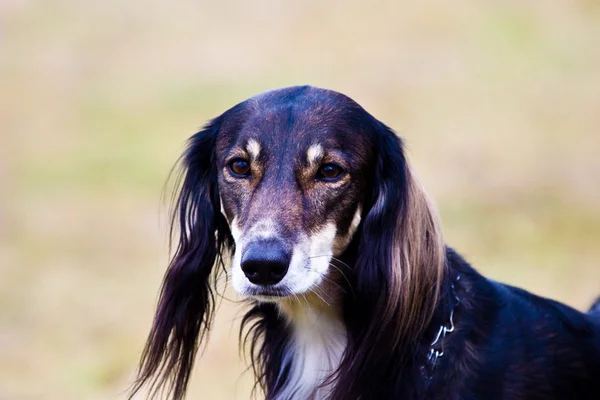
<point>329,172</point>
<point>239,168</point>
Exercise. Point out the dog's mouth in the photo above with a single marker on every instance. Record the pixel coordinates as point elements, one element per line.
<point>268,293</point>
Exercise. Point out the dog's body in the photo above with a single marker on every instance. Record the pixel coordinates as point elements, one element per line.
<point>354,293</point>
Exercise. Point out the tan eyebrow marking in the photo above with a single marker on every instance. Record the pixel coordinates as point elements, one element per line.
<point>314,153</point>
<point>253,148</point>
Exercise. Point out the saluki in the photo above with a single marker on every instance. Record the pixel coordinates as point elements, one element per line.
<point>307,204</point>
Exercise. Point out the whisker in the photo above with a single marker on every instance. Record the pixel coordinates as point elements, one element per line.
<point>336,267</point>
<point>306,301</point>
<point>344,275</point>
<point>222,296</point>
<point>330,280</point>
<point>345,278</point>
<point>319,296</point>
<point>341,262</point>
<point>221,278</point>
<point>327,278</point>
<point>333,258</point>
<point>221,288</point>
<point>295,297</point>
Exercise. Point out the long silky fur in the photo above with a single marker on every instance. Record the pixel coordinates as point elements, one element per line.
<point>398,271</point>
<point>186,304</point>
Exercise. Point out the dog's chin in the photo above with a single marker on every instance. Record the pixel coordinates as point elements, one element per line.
<point>267,294</point>
<point>270,294</point>
<point>286,289</point>
<point>267,298</point>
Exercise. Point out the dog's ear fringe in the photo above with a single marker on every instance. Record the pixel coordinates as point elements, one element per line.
<point>398,273</point>
<point>186,302</point>
<point>419,261</point>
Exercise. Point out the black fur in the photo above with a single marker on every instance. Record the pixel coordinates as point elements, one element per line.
<point>187,301</point>
<point>508,344</point>
<point>595,309</point>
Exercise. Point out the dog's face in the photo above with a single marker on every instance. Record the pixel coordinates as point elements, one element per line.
<point>292,181</point>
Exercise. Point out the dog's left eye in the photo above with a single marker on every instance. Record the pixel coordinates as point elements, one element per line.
<point>239,167</point>
<point>329,172</point>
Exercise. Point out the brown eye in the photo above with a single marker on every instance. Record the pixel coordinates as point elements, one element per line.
<point>240,167</point>
<point>329,172</point>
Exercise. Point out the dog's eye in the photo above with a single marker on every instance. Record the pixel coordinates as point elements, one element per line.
<point>239,167</point>
<point>329,172</point>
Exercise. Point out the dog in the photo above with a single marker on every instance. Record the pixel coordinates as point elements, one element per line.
<point>307,202</point>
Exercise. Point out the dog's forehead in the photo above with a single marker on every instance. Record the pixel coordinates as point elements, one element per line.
<point>290,121</point>
<point>280,130</point>
<point>299,120</point>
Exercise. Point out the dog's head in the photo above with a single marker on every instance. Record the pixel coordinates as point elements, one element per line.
<point>292,170</point>
<point>283,183</point>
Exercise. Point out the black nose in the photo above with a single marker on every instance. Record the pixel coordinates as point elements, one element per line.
<point>265,262</point>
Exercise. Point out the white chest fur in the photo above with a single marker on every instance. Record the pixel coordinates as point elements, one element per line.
<point>317,346</point>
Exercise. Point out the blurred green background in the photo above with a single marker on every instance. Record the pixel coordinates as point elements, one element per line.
<point>499,102</point>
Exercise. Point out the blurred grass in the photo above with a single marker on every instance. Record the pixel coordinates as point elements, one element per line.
<point>499,103</point>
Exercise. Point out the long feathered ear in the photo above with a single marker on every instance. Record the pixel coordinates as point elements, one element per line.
<point>397,274</point>
<point>402,240</point>
<point>186,304</point>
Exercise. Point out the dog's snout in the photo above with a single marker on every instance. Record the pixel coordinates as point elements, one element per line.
<point>265,262</point>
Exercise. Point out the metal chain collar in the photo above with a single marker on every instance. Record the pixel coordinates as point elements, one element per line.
<point>436,349</point>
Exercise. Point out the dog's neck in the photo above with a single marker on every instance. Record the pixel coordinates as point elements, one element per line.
<point>316,347</point>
